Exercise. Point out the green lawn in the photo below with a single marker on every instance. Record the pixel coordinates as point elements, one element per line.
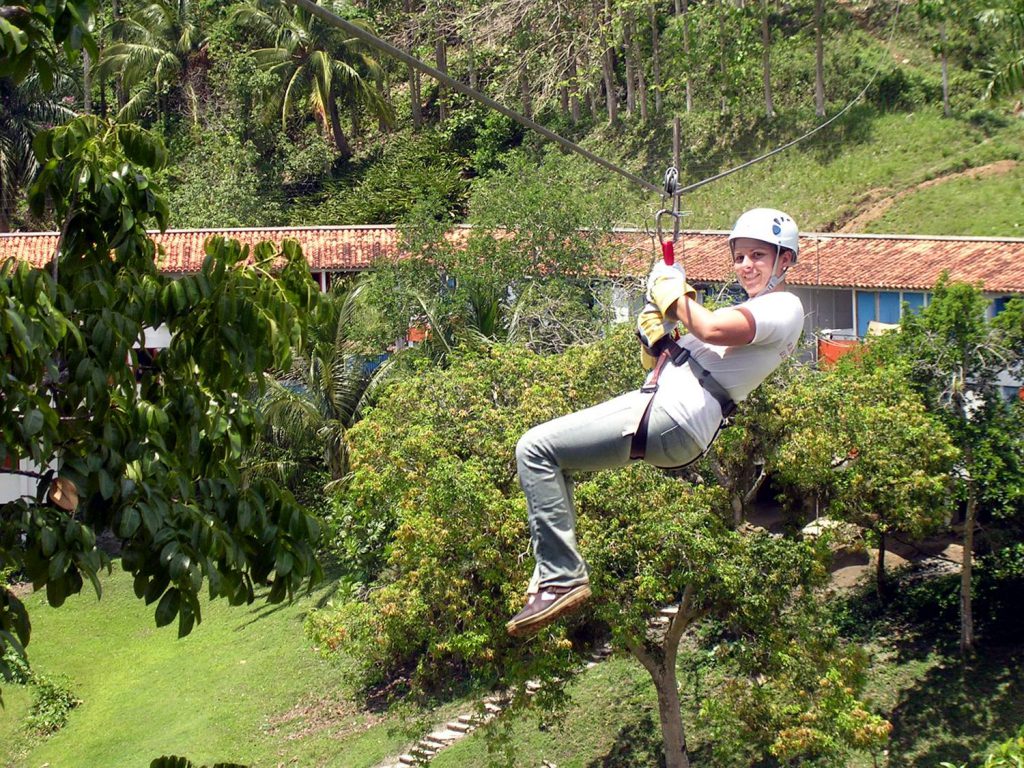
<point>245,686</point>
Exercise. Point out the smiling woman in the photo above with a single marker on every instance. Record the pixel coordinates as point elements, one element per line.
<point>675,416</point>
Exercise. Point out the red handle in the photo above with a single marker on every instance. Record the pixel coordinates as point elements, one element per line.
<point>668,252</point>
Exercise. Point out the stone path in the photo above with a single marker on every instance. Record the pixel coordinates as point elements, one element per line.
<point>452,731</point>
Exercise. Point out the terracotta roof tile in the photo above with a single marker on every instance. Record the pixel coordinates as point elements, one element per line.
<point>829,260</point>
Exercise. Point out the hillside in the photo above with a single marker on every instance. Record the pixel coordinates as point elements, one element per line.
<point>393,147</point>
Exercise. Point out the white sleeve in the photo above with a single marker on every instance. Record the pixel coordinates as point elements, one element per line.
<point>778,317</point>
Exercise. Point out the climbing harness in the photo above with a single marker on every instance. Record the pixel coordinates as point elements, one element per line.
<point>668,350</point>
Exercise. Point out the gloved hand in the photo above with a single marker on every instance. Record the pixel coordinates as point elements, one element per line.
<point>650,328</point>
<point>667,284</point>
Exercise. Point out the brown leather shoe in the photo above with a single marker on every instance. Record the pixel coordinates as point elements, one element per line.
<point>545,606</point>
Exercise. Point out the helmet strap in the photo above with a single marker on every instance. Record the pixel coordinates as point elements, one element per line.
<point>774,280</point>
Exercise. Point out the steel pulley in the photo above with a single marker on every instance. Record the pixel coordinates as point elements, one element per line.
<point>671,190</point>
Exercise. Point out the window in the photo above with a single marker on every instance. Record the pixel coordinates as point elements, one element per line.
<point>885,306</point>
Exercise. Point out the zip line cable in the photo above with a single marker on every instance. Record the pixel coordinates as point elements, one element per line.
<point>787,145</point>
<point>375,42</point>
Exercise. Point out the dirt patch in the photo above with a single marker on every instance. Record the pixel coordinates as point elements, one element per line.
<point>878,201</point>
<point>340,719</point>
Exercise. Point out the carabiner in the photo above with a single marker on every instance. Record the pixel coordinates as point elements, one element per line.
<point>671,189</point>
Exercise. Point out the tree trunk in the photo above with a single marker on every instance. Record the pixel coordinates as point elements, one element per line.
<point>880,584</point>
<point>610,91</point>
<point>819,59</point>
<point>686,54</point>
<point>340,141</point>
<point>966,611</point>
<point>471,63</point>
<point>766,63</point>
<point>655,57</point>
<point>574,98</point>
<point>525,94</point>
<point>415,102</point>
<point>723,68</point>
<point>946,111</point>
<point>629,53</point>
<point>119,93</point>
<point>441,60</point>
<point>86,83</point>
<point>672,734</point>
<point>641,78</point>
<point>414,98</point>
<point>660,663</point>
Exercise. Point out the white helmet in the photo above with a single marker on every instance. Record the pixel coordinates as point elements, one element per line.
<point>769,226</point>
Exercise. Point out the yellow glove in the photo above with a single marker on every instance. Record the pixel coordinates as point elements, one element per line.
<point>651,327</point>
<point>666,285</point>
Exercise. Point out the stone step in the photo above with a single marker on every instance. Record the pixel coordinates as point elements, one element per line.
<point>445,734</point>
<point>469,719</point>
<point>459,726</point>
<point>408,759</point>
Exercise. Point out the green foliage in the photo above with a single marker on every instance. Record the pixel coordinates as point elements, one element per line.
<point>433,488</point>
<point>151,50</point>
<point>219,181</point>
<point>417,173</point>
<point>153,457</point>
<point>31,34</point>
<point>862,441</point>
<point>52,700</point>
<point>1009,754</point>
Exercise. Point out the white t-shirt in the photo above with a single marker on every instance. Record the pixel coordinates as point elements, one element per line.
<point>778,321</point>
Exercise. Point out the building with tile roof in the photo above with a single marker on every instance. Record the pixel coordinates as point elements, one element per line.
<point>845,281</point>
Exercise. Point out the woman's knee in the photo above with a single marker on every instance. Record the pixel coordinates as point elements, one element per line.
<point>528,447</point>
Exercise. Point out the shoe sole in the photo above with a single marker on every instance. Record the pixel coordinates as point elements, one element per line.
<point>540,620</point>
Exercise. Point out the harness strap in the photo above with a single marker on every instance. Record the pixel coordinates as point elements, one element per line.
<point>638,445</point>
<point>667,349</point>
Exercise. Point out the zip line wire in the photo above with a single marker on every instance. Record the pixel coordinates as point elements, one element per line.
<point>375,42</point>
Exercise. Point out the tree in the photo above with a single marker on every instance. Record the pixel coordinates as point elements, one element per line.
<point>323,393</point>
<point>435,507</point>
<point>151,453</point>
<point>153,53</point>
<point>955,357</point>
<point>1006,69</point>
<point>860,440</point>
<point>316,63</point>
<point>24,108</point>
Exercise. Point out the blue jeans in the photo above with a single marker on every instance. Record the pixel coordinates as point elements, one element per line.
<point>587,440</point>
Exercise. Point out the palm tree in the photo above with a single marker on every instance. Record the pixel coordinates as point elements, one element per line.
<point>155,50</point>
<point>1006,72</point>
<point>317,64</point>
<point>25,108</point>
<point>313,405</point>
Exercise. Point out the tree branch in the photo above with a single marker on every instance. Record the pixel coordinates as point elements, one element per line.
<point>25,472</point>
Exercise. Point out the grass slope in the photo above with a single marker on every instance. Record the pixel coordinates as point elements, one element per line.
<point>245,686</point>
<point>868,156</point>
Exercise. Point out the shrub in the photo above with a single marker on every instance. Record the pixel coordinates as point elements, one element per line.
<point>52,699</point>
